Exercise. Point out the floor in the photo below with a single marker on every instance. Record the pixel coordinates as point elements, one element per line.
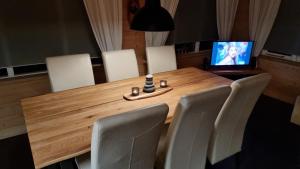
<point>270,142</point>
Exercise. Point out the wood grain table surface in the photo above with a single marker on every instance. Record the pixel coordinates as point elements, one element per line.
<point>59,124</point>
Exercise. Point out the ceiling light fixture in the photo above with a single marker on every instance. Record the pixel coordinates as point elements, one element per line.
<point>152,18</point>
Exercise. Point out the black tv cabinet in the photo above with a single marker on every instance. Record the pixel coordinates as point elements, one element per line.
<point>236,74</point>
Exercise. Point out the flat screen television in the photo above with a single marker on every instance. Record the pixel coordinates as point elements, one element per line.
<point>231,54</point>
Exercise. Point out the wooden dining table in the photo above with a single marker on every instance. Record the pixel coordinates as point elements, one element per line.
<point>59,124</point>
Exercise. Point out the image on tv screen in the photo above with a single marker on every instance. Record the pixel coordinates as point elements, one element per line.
<point>231,53</point>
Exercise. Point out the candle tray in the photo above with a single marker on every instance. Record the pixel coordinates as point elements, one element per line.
<point>143,95</point>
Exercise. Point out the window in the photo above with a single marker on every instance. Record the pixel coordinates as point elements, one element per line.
<point>32,30</point>
<point>285,35</point>
<point>191,47</point>
<point>195,21</point>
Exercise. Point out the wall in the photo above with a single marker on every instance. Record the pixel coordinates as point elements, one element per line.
<point>285,83</point>
<point>11,92</point>
<point>240,30</point>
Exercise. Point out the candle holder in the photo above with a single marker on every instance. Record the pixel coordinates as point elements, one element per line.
<point>163,83</point>
<point>149,85</point>
<point>135,91</point>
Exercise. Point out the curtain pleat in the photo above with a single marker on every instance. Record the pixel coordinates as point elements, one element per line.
<point>262,14</point>
<point>106,20</point>
<point>226,10</point>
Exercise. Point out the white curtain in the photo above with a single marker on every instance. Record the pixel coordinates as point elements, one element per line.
<point>159,38</point>
<point>262,14</point>
<point>226,10</point>
<point>106,20</point>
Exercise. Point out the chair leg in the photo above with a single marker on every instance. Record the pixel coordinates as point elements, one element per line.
<point>208,165</point>
<point>67,164</point>
<point>53,166</point>
<point>237,160</point>
<point>297,152</point>
<point>232,162</point>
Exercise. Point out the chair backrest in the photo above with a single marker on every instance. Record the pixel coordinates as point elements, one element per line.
<point>161,59</point>
<point>190,130</point>
<point>230,124</point>
<point>119,65</point>
<point>70,71</point>
<point>128,140</point>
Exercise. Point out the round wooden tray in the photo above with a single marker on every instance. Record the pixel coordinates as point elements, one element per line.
<point>143,95</point>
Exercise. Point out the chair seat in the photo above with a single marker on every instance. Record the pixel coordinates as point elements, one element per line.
<point>83,161</point>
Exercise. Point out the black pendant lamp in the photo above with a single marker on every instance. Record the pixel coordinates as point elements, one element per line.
<point>152,18</point>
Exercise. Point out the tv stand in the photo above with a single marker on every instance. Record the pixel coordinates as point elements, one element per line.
<point>237,74</point>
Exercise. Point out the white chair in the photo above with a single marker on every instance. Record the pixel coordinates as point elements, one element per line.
<point>188,135</point>
<point>230,124</point>
<point>128,140</point>
<point>161,59</point>
<point>70,71</point>
<point>119,65</point>
<point>296,112</point>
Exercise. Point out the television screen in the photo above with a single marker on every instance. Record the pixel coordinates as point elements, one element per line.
<point>231,53</point>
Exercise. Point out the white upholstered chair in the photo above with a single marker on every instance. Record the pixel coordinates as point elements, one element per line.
<point>296,112</point>
<point>70,71</point>
<point>161,59</point>
<point>120,64</point>
<point>128,140</point>
<point>230,124</point>
<point>188,135</point>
